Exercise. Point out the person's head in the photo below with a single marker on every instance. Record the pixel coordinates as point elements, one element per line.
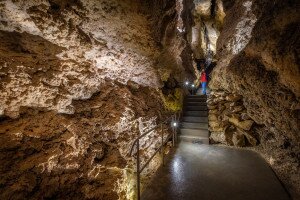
<point>202,70</point>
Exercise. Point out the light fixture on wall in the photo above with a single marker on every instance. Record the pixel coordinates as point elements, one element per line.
<point>174,124</point>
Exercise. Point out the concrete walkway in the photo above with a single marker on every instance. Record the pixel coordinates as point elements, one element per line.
<point>205,172</point>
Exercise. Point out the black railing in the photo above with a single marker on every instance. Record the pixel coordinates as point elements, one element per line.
<point>173,135</point>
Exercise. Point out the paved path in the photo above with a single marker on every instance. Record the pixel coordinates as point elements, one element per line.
<point>205,172</point>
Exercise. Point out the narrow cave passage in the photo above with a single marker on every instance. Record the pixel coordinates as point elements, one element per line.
<point>94,91</point>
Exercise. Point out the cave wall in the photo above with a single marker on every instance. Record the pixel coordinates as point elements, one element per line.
<point>172,38</point>
<point>75,78</point>
<point>208,18</point>
<point>258,62</point>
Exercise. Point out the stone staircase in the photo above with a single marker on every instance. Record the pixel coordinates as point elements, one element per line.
<point>194,125</point>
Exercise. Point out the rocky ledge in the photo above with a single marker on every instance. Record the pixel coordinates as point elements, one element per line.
<point>229,122</point>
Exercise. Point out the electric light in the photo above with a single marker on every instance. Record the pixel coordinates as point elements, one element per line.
<point>186,83</point>
<point>193,85</point>
<point>174,124</point>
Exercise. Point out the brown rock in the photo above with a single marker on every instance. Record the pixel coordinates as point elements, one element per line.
<point>221,108</point>
<point>238,140</point>
<point>251,139</point>
<point>212,117</point>
<point>245,116</point>
<point>212,107</point>
<point>228,105</point>
<point>245,125</point>
<point>237,109</point>
<point>218,137</point>
<point>233,97</point>
<point>214,111</point>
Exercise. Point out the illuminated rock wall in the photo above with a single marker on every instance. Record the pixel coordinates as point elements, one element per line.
<point>258,60</point>
<point>75,76</point>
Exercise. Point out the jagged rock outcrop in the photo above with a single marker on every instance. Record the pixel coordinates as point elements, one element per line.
<point>258,60</point>
<point>75,78</point>
<point>229,122</point>
<point>208,18</point>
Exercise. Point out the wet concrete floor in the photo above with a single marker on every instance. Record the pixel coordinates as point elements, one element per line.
<point>206,172</point>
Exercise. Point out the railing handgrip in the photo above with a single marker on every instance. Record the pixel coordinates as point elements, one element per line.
<point>137,143</point>
<point>146,133</point>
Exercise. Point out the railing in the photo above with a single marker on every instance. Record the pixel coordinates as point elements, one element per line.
<point>173,134</point>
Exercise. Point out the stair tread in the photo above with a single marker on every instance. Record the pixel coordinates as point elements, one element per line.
<point>194,132</point>
<point>194,127</point>
<point>196,96</point>
<point>196,111</point>
<point>192,136</point>
<point>196,123</point>
<point>195,119</point>
<point>189,105</point>
<point>196,100</point>
<point>202,140</point>
<point>196,108</point>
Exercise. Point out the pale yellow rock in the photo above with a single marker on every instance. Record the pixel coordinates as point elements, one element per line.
<point>233,97</point>
<point>213,111</point>
<point>218,137</point>
<point>211,107</point>
<point>237,109</point>
<point>213,118</point>
<point>245,125</point>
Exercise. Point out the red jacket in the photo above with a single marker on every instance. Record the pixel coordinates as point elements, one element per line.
<point>203,77</point>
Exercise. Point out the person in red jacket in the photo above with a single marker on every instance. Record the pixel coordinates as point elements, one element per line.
<point>203,80</point>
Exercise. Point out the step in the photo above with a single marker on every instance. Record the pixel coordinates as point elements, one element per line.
<point>194,125</point>
<point>191,108</point>
<point>195,103</point>
<point>195,99</point>
<point>195,119</point>
<point>196,113</point>
<point>200,140</point>
<point>194,132</point>
<point>196,96</point>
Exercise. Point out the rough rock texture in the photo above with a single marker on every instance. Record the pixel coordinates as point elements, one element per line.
<point>84,155</point>
<point>258,53</point>
<point>229,122</point>
<point>75,78</point>
<point>208,18</point>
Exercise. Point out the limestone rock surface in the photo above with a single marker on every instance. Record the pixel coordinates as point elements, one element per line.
<point>258,61</point>
<point>75,79</point>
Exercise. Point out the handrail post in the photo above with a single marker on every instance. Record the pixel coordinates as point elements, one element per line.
<point>173,132</point>
<point>177,119</point>
<point>139,167</point>
<point>173,138</point>
<point>138,176</point>
<point>138,170</point>
<point>162,145</point>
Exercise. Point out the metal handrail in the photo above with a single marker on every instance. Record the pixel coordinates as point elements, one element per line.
<point>136,143</point>
<point>148,132</point>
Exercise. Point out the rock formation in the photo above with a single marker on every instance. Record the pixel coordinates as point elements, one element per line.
<point>228,120</point>
<point>258,63</point>
<point>75,78</point>
<point>208,19</point>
